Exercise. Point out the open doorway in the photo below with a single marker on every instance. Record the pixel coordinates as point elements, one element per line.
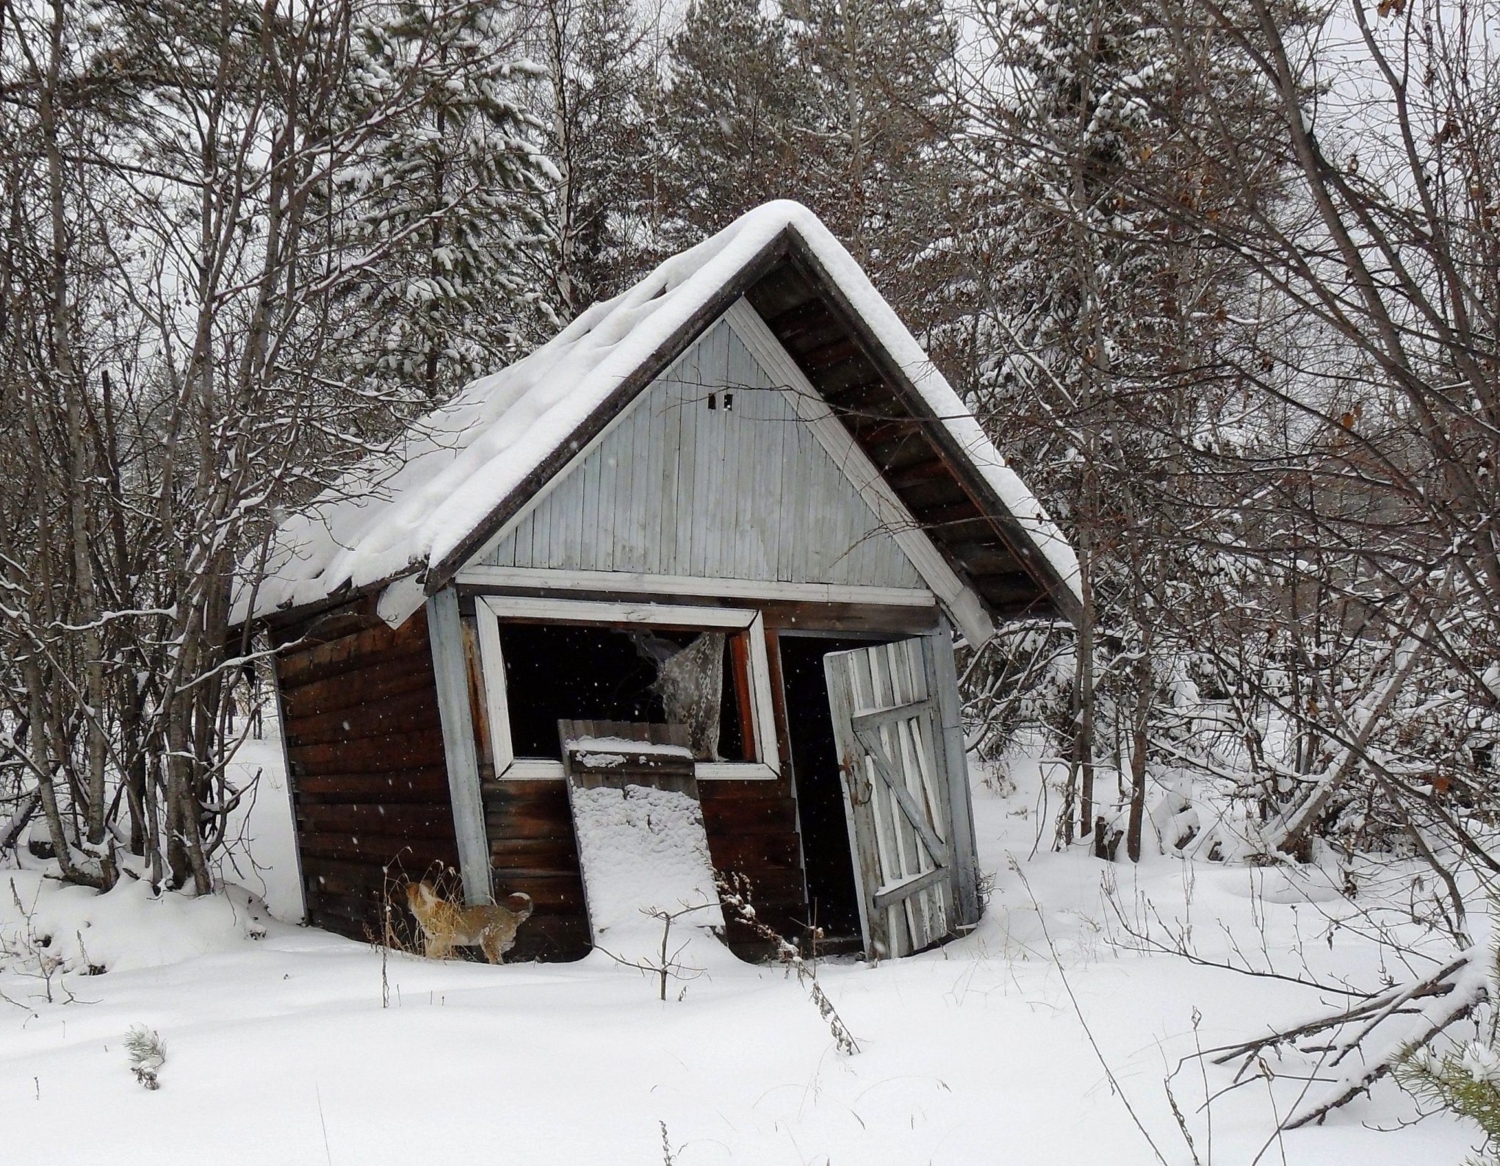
<point>832,895</point>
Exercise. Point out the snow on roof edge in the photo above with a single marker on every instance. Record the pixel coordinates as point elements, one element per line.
<point>944,401</point>
<point>402,512</point>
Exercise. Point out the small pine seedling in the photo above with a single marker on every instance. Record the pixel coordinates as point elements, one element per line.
<point>148,1054</point>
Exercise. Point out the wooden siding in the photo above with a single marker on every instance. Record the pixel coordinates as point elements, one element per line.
<point>915,454</point>
<point>752,830</point>
<point>532,849</point>
<point>678,488</point>
<point>370,797</point>
<point>365,751</point>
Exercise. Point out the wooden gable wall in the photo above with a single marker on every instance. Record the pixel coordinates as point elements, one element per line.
<point>913,451</point>
<point>710,474</point>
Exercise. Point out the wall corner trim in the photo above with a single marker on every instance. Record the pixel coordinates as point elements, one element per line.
<point>943,680</point>
<point>451,671</point>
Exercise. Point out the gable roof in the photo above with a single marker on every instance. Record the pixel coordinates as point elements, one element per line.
<point>437,495</point>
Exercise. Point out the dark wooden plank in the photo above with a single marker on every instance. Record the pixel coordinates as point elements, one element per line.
<point>410,853</point>
<point>527,809</point>
<point>518,790</point>
<point>926,497</point>
<point>337,693</point>
<point>558,854</point>
<point>330,877</point>
<point>758,826</point>
<point>781,292</point>
<point>403,712</point>
<point>351,920</point>
<point>900,432</point>
<point>852,373</point>
<point>973,530</point>
<point>860,403</point>
<point>330,619</point>
<point>774,799</point>
<point>324,629</point>
<point>369,754</point>
<point>849,618</point>
<point>1010,592</point>
<point>836,350</point>
<point>425,784</point>
<point>808,330</point>
<point>897,452</point>
<point>727,793</point>
<point>595,755</point>
<point>752,853</point>
<point>409,820</point>
<point>508,825</point>
<point>548,889</point>
<point>772,885</point>
<point>981,559</point>
<point>919,473</point>
<point>554,939</point>
<point>935,517</point>
<point>354,653</point>
<point>356,906</point>
<point>351,729</point>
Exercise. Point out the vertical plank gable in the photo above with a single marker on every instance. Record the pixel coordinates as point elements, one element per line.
<point>677,487</point>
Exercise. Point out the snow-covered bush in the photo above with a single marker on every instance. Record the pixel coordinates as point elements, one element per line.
<point>148,1053</point>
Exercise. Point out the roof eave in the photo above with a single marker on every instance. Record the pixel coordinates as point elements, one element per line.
<point>1059,590</point>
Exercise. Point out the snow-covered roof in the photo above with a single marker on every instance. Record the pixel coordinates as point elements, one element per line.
<point>414,506</point>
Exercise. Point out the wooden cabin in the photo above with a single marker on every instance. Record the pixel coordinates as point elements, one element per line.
<point>737,497</point>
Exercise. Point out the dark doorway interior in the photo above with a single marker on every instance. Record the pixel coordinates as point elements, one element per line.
<point>833,898</point>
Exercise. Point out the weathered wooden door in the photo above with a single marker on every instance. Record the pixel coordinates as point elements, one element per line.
<point>896,794</point>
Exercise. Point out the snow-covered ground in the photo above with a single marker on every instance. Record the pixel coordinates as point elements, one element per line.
<point>279,1049</point>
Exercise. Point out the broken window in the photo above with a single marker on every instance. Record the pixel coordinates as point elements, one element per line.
<point>699,679</point>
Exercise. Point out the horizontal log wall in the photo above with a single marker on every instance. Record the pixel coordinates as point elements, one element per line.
<point>532,849</point>
<point>370,792</point>
<point>365,749</point>
<point>752,831</point>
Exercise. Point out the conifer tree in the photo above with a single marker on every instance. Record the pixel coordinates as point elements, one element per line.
<point>879,136</point>
<point>732,131</point>
<point>1098,329</point>
<point>602,88</point>
<point>451,199</point>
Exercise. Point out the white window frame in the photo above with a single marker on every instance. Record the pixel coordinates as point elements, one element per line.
<point>491,609</point>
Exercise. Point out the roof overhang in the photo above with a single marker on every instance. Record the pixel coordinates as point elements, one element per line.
<point>874,397</point>
<point>874,377</point>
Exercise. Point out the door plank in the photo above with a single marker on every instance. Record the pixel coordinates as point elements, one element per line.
<point>909,808</point>
<point>895,892</point>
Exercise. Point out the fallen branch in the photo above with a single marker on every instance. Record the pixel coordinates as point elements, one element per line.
<point>1451,994</point>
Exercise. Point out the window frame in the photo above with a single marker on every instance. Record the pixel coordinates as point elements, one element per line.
<point>489,610</point>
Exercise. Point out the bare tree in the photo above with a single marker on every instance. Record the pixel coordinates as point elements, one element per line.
<point>182,293</point>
